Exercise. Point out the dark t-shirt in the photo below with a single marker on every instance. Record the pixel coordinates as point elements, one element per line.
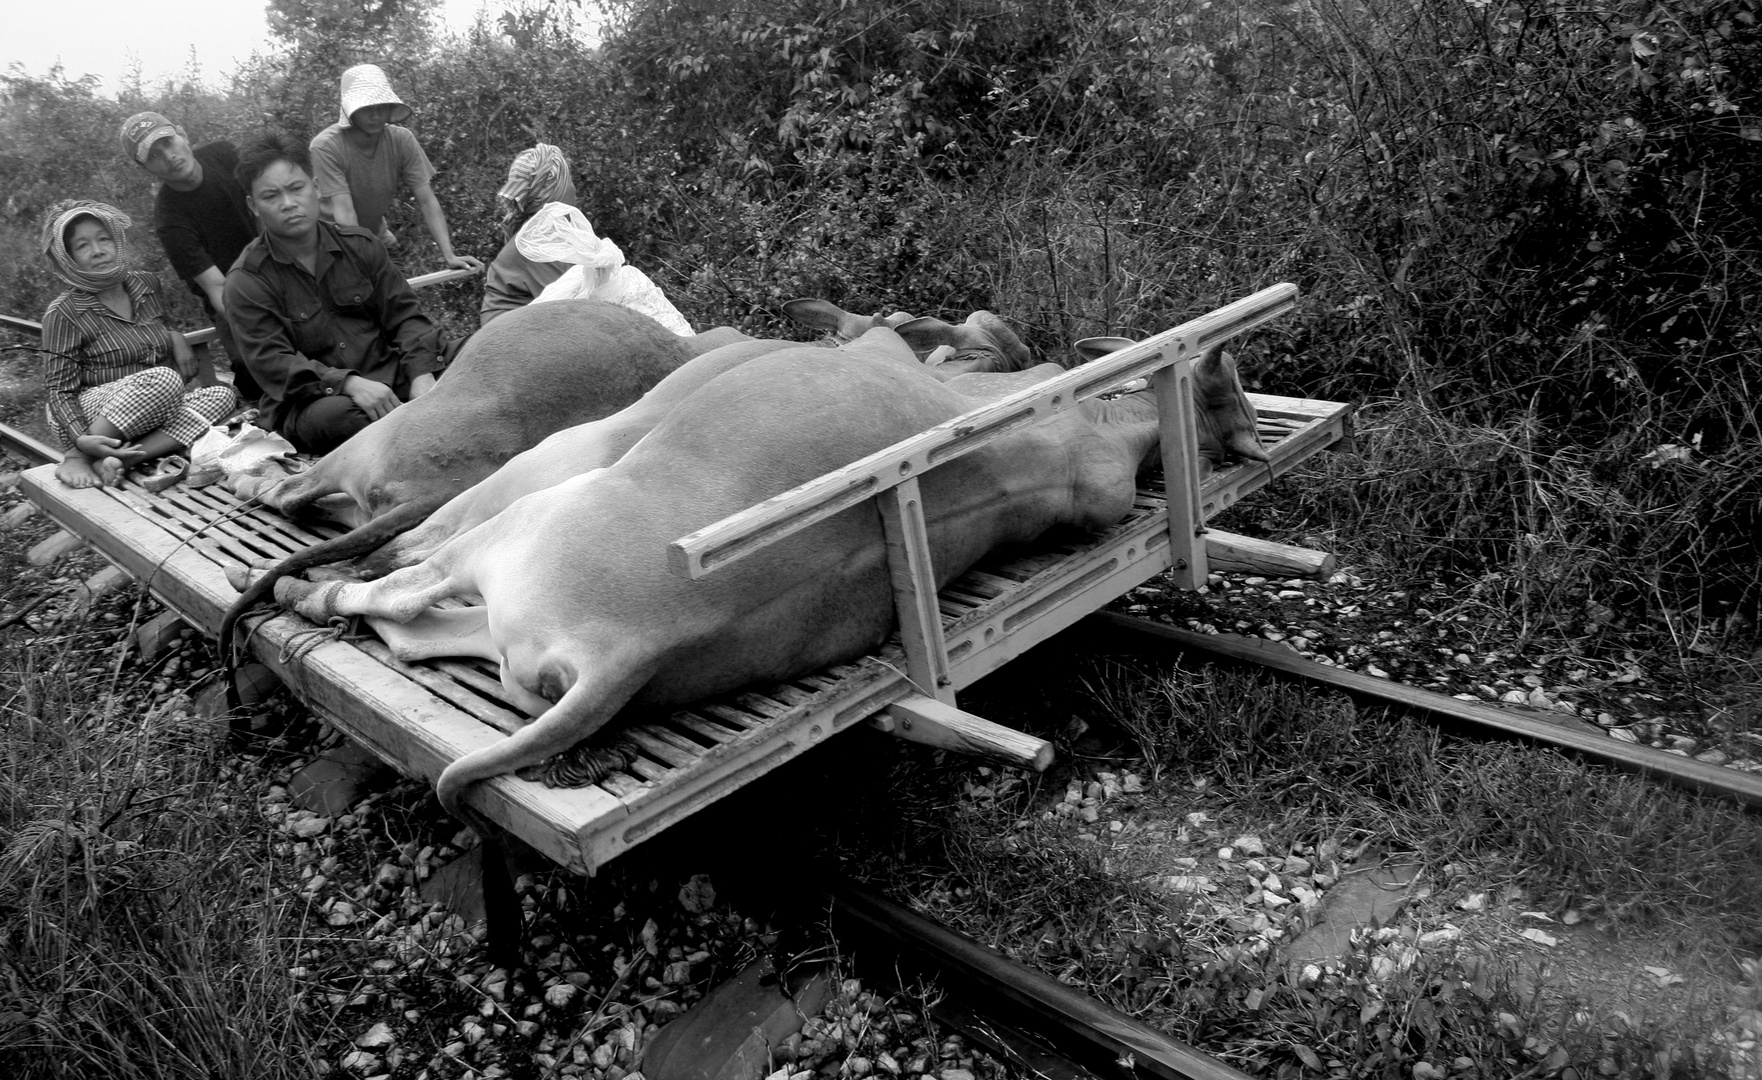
<point>210,225</point>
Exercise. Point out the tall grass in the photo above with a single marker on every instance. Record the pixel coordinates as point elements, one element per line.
<point>144,935</point>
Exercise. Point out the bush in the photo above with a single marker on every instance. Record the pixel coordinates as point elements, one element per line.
<point>1528,226</point>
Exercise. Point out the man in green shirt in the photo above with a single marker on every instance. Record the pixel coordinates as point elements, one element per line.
<point>329,328</point>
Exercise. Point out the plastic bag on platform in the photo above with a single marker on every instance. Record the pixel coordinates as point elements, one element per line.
<point>248,463</point>
<point>561,233</point>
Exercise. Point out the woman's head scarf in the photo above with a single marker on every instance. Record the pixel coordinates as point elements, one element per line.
<point>537,176</point>
<point>55,224</point>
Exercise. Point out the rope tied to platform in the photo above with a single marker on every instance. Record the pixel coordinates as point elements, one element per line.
<point>583,764</point>
<point>300,643</point>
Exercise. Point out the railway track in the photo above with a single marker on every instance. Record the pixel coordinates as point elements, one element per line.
<point>1033,1019</point>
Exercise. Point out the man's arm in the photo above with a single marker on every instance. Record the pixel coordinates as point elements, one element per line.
<point>411,332</point>
<point>213,285</point>
<point>332,179</point>
<point>436,220</point>
<point>341,208</point>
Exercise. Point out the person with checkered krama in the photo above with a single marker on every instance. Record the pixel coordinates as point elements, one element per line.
<point>116,372</point>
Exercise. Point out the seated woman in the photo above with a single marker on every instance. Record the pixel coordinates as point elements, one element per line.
<point>116,370</point>
<point>537,176</point>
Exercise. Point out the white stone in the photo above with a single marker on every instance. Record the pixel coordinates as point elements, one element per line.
<point>560,995</point>
<point>376,1037</point>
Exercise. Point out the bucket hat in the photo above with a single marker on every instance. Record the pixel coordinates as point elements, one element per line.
<point>366,84</point>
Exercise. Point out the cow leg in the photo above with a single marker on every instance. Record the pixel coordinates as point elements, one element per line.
<point>399,597</point>
<point>525,700</point>
<point>607,680</point>
<point>439,632</point>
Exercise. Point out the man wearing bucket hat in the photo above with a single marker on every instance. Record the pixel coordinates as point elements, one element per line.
<point>200,217</point>
<point>362,161</point>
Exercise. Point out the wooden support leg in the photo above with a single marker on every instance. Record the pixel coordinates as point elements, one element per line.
<point>1180,471</point>
<point>926,720</point>
<point>1248,555</point>
<point>914,591</point>
<point>501,905</point>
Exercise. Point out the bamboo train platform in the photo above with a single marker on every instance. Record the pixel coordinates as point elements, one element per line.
<point>420,717</point>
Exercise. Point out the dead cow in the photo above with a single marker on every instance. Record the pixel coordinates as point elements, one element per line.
<point>584,615</point>
<point>598,444</point>
<point>534,371</point>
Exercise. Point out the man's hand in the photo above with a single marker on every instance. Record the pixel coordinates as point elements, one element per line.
<point>376,399</point>
<point>421,384</point>
<point>388,238</point>
<point>465,262</point>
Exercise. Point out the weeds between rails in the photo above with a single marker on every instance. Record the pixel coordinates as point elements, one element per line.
<point>1308,769</point>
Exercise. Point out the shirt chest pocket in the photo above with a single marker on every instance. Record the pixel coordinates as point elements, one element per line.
<point>349,291</point>
<point>311,327</point>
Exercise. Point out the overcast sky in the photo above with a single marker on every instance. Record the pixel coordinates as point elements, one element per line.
<point>104,37</point>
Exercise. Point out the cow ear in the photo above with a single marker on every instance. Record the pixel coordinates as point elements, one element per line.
<point>1094,348</point>
<point>827,316</point>
<point>897,319</point>
<point>1214,373</point>
<point>1218,390</point>
<point>923,335</point>
<point>1245,444</point>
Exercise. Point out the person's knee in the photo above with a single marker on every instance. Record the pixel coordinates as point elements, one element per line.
<point>325,424</point>
<point>162,380</point>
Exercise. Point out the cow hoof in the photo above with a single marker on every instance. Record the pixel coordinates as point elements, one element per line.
<point>308,599</point>
<point>241,577</point>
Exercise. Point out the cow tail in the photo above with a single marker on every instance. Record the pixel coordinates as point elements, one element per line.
<point>352,544</point>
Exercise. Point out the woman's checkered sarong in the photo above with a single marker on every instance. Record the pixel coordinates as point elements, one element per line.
<point>147,401</point>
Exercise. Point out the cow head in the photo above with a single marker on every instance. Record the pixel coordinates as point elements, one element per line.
<point>843,325</point>
<point>983,343</point>
<point>1226,421</point>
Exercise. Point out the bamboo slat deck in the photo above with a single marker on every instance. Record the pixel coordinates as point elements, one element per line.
<point>419,717</point>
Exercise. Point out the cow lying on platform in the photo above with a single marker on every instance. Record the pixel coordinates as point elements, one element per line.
<point>982,343</point>
<point>537,370</point>
<point>585,617</point>
<point>572,363</point>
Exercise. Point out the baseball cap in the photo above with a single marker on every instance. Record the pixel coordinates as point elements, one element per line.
<point>141,131</point>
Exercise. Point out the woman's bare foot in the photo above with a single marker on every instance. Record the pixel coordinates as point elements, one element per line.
<point>110,470</point>
<point>76,471</point>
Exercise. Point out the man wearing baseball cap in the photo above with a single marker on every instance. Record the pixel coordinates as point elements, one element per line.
<point>200,216</point>
<point>363,160</point>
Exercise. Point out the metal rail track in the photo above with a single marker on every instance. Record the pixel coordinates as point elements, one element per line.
<point>27,447</point>
<point>1108,629</point>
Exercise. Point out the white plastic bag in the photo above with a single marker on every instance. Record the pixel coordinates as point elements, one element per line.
<point>249,463</point>
<point>561,233</point>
